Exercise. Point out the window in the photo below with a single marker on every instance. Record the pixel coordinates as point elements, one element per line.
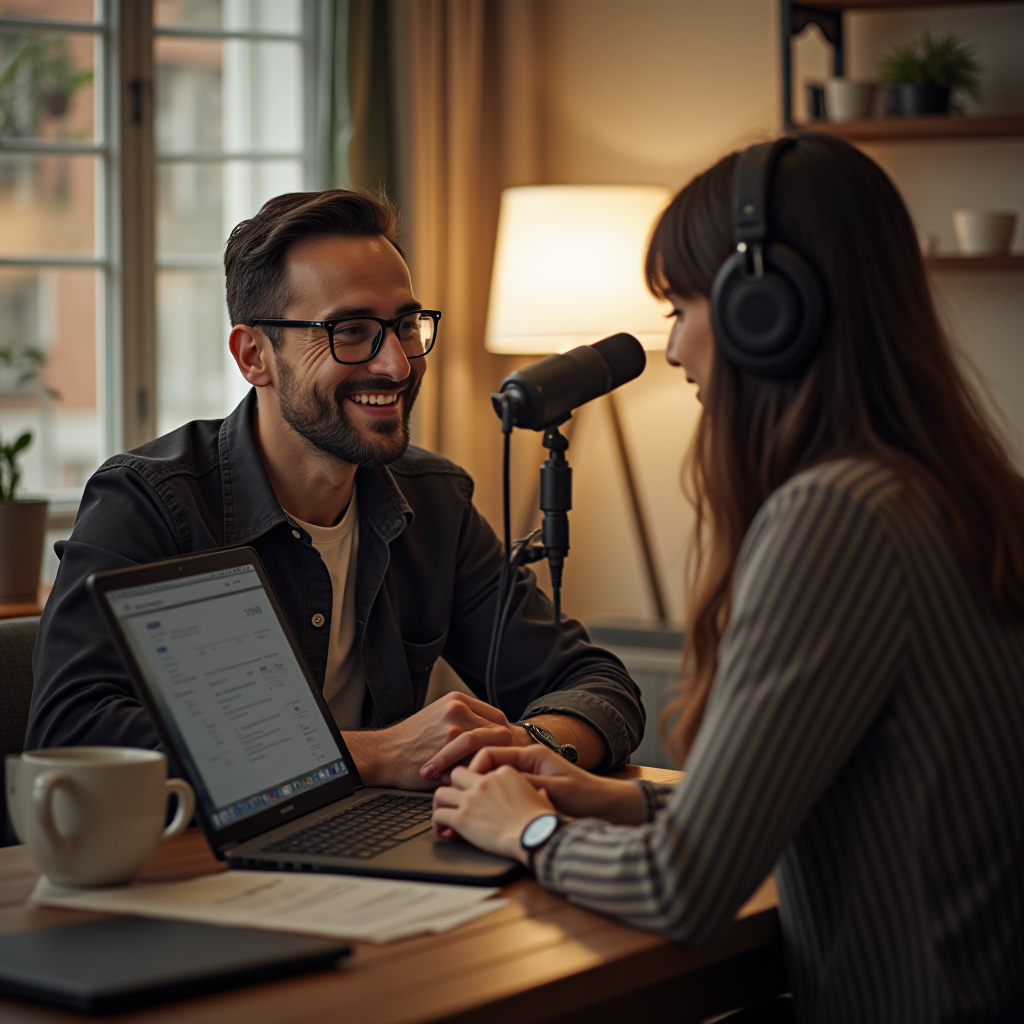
<point>54,237</point>
<point>237,88</point>
<point>230,105</point>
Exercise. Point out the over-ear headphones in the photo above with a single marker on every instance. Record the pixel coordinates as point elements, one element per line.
<point>767,306</point>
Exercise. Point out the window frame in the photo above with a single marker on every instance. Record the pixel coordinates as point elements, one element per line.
<point>104,260</point>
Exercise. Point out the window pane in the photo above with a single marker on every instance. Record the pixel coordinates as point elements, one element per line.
<point>59,10</point>
<point>247,15</point>
<point>49,316</point>
<point>48,204</point>
<point>46,85</point>
<point>196,376</point>
<point>198,203</point>
<point>232,94</point>
<point>197,206</point>
<point>189,218</point>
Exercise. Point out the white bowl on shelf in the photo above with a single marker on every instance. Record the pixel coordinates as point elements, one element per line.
<point>846,100</point>
<point>984,232</point>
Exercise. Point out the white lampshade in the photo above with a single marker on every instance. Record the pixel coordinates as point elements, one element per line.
<point>568,268</point>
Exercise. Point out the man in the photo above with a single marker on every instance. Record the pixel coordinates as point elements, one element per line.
<point>377,554</point>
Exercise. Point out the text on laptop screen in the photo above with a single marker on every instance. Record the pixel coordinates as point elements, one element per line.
<point>218,662</point>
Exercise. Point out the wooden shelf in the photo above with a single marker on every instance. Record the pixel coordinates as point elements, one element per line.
<point>876,5</point>
<point>1008,261</point>
<point>929,126</point>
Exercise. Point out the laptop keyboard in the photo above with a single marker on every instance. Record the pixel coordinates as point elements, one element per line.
<point>364,831</point>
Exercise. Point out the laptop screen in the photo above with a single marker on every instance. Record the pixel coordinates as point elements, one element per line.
<point>218,663</point>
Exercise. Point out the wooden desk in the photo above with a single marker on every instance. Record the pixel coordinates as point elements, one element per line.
<point>538,959</point>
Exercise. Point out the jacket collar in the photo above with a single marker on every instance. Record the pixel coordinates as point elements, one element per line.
<point>251,508</point>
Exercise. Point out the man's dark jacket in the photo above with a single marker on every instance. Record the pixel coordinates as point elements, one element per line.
<point>426,580</point>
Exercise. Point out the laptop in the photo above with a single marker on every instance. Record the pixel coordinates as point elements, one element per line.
<point>216,664</point>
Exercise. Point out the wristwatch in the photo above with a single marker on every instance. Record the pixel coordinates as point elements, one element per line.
<point>542,736</point>
<point>538,832</point>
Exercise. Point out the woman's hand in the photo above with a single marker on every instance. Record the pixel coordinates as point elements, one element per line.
<point>490,811</point>
<point>572,790</point>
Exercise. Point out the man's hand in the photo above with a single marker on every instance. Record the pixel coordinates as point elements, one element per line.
<point>417,752</point>
<point>573,791</point>
<point>490,811</point>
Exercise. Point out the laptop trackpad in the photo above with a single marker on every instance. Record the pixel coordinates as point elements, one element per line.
<point>424,854</point>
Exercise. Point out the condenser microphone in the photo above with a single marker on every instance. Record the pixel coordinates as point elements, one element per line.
<point>545,394</point>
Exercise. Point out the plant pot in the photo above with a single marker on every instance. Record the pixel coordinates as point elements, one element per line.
<point>22,531</point>
<point>891,105</point>
<point>922,99</point>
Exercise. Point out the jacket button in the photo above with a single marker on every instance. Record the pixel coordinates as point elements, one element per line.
<point>318,620</point>
<point>296,535</point>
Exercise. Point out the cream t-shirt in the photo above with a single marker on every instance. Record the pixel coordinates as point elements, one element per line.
<point>344,682</point>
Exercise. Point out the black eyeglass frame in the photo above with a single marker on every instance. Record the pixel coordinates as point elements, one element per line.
<point>385,326</point>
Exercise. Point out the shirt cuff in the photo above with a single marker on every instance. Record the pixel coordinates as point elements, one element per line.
<point>654,796</point>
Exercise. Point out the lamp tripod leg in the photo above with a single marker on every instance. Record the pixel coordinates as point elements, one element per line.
<point>653,581</point>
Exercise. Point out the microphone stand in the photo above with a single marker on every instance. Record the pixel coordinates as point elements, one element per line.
<point>555,502</point>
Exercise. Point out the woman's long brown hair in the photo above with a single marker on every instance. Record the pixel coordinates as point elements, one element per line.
<point>885,385</point>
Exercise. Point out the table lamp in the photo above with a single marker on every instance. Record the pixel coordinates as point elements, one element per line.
<point>568,271</point>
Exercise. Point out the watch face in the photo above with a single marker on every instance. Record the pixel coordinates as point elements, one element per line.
<point>539,830</point>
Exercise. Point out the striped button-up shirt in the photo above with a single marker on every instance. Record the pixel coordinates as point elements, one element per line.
<point>864,739</point>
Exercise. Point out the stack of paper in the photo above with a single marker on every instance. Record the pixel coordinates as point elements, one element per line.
<point>338,906</point>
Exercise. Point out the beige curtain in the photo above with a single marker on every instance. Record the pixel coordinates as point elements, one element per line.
<point>466,125</point>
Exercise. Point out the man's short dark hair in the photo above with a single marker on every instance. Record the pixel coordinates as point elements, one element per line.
<point>254,257</point>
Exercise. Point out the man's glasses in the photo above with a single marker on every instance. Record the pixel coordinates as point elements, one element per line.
<point>357,339</point>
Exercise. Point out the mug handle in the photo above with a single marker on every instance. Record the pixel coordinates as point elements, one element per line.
<point>42,799</point>
<point>186,808</point>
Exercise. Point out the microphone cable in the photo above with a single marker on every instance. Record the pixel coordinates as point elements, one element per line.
<point>514,556</point>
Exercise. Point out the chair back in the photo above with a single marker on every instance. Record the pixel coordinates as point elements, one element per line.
<point>17,641</point>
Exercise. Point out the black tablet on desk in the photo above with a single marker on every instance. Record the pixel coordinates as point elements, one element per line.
<point>123,962</point>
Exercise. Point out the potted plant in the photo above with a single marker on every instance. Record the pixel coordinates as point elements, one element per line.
<point>925,75</point>
<point>22,521</point>
<point>22,528</point>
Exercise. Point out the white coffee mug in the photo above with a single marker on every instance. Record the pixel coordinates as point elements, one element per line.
<point>93,815</point>
<point>984,232</point>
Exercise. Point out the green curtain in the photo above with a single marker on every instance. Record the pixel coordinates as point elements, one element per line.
<point>364,147</point>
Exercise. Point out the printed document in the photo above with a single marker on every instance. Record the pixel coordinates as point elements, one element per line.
<point>336,906</point>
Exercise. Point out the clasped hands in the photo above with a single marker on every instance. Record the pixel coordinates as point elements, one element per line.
<point>499,779</point>
<point>503,789</point>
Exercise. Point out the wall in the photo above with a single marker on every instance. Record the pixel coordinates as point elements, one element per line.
<point>652,91</point>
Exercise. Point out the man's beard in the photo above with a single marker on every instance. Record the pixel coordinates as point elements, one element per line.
<point>320,417</point>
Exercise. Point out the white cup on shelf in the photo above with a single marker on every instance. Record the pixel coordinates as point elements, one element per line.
<point>846,100</point>
<point>984,232</point>
<point>93,815</point>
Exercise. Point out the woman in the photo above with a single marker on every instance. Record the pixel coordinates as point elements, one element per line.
<point>854,712</point>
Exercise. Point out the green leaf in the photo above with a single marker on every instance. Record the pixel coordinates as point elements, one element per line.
<point>22,443</point>
<point>934,60</point>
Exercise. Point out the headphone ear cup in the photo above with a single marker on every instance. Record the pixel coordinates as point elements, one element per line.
<point>771,325</point>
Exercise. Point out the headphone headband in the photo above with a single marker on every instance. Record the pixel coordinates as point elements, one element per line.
<point>750,184</point>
